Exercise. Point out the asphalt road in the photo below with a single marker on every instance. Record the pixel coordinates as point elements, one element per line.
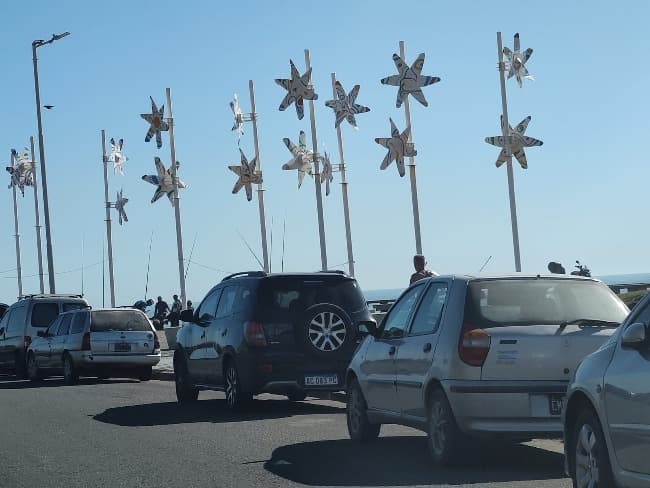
<point>131,434</point>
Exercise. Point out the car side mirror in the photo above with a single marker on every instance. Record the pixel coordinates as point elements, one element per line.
<point>187,316</point>
<point>369,327</point>
<point>634,336</point>
<point>41,333</point>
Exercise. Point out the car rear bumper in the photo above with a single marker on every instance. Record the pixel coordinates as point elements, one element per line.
<point>512,407</point>
<point>89,360</point>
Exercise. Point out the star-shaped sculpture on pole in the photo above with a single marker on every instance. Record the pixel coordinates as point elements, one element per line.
<point>248,175</point>
<point>164,181</point>
<point>299,89</point>
<point>120,202</point>
<point>116,157</point>
<point>516,63</point>
<point>326,175</point>
<point>345,106</point>
<point>239,117</point>
<point>517,142</point>
<point>410,80</point>
<point>157,123</point>
<point>21,170</point>
<point>302,157</point>
<point>398,147</point>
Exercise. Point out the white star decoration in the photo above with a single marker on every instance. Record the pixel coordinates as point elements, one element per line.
<point>248,175</point>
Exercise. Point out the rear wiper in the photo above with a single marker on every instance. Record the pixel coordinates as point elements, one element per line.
<point>589,323</point>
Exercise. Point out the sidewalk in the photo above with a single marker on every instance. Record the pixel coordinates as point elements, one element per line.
<point>164,370</point>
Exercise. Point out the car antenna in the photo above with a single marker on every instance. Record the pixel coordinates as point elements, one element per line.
<point>189,260</point>
<point>250,249</point>
<point>485,263</point>
<point>271,250</point>
<point>284,233</point>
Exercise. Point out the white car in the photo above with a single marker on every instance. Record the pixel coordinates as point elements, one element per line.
<point>105,342</point>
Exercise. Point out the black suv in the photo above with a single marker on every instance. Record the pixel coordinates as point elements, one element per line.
<point>270,333</point>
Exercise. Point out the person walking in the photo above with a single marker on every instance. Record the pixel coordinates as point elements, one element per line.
<point>419,264</point>
<point>175,314</point>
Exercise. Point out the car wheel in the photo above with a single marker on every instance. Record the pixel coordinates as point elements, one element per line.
<point>33,373</point>
<point>236,399</point>
<point>70,375</point>
<point>20,367</point>
<point>297,396</point>
<point>590,466</point>
<point>185,392</point>
<point>326,331</point>
<point>445,438</point>
<point>145,373</point>
<point>359,427</point>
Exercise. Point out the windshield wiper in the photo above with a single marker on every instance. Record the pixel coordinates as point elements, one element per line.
<point>589,323</point>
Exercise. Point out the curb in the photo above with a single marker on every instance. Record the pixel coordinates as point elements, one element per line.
<point>162,375</point>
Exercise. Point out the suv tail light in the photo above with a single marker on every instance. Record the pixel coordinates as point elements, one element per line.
<point>85,342</point>
<point>27,340</point>
<point>474,345</point>
<point>254,334</point>
<point>156,342</point>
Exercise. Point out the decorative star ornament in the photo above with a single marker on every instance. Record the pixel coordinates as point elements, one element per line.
<point>116,157</point>
<point>516,64</point>
<point>21,170</point>
<point>247,175</point>
<point>156,123</point>
<point>398,147</point>
<point>120,202</point>
<point>299,89</point>
<point>326,172</point>
<point>239,117</point>
<point>517,141</point>
<point>302,157</point>
<point>164,181</point>
<point>410,80</point>
<point>345,106</point>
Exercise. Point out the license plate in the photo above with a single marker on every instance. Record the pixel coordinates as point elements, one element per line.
<point>556,404</point>
<point>122,347</point>
<point>321,380</point>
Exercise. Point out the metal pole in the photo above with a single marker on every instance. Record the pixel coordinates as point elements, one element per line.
<point>46,206</point>
<point>17,236</point>
<point>506,145</point>
<point>411,165</point>
<point>258,169</point>
<point>109,238</point>
<point>319,195</point>
<point>344,187</point>
<point>38,219</point>
<point>177,203</point>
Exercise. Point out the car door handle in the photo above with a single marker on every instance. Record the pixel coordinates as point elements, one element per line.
<point>391,351</point>
<point>224,332</point>
<point>203,335</point>
<point>427,347</point>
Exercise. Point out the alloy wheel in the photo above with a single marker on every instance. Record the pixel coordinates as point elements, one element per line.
<point>231,387</point>
<point>586,452</point>
<point>32,369</point>
<point>439,428</point>
<point>355,410</point>
<point>327,331</point>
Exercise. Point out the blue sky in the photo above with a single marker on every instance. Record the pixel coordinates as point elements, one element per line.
<point>579,198</point>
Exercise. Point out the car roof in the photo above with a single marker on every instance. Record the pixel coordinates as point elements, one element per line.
<point>516,276</point>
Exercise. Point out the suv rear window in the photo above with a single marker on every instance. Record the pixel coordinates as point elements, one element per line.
<point>499,303</point>
<point>283,295</point>
<point>43,314</point>
<point>118,320</point>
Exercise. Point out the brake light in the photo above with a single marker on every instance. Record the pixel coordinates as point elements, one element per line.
<point>156,343</point>
<point>254,334</point>
<point>27,340</point>
<point>85,342</point>
<point>474,345</point>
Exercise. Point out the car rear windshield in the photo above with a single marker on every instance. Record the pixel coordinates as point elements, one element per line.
<point>118,320</point>
<point>498,303</point>
<point>281,297</point>
<point>43,314</point>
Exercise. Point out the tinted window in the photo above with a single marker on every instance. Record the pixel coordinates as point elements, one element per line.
<point>208,308</point>
<point>226,304</point>
<point>78,322</point>
<point>17,323</point>
<point>118,320</point>
<point>73,306</point>
<point>495,303</point>
<point>44,313</point>
<point>427,318</point>
<point>5,319</point>
<point>51,330</point>
<point>398,318</point>
<point>64,327</point>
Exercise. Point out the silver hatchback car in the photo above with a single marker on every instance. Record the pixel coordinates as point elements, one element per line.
<point>460,356</point>
<point>105,342</point>
<point>607,419</point>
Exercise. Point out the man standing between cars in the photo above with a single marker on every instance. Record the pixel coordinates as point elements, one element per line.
<point>420,273</point>
<point>161,310</point>
<point>175,314</point>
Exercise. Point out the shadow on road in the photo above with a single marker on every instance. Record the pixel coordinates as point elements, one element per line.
<point>405,461</point>
<point>13,383</point>
<point>214,411</point>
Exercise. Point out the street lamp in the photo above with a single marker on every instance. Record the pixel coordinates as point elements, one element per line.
<point>46,208</point>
